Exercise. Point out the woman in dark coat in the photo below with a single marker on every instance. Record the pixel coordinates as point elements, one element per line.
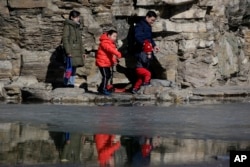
<point>72,42</point>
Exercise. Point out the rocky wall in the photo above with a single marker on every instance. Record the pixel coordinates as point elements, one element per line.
<point>203,42</point>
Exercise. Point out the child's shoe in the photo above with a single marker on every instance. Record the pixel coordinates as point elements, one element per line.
<point>146,84</point>
<point>104,92</point>
<point>134,91</point>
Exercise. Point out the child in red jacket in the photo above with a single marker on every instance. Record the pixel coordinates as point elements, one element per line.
<point>106,57</point>
<point>142,65</point>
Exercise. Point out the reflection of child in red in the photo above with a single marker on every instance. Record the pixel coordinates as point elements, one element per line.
<point>106,145</point>
<point>146,149</point>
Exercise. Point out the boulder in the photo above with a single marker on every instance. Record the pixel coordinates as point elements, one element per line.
<point>171,67</point>
<point>67,95</point>
<point>238,13</point>
<point>192,45</point>
<point>36,64</point>
<point>67,4</point>
<point>180,95</point>
<point>226,52</point>
<point>84,2</point>
<point>171,74</point>
<point>121,11</point>
<point>207,3</point>
<point>39,91</point>
<point>175,95</point>
<point>164,96</point>
<point>12,93</point>
<point>196,27</point>
<point>195,13</point>
<point>168,47</point>
<point>24,81</point>
<point>38,33</point>
<point>197,74</point>
<point>246,33</point>
<point>2,84</point>
<point>10,57</point>
<point>142,11</point>
<point>8,31</point>
<point>222,91</point>
<point>177,2</point>
<point>145,3</point>
<point>161,83</point>
<point>102,2</point>
<point>157,26</point>
<point>5,69</point>
<point>104,18</point>
<point>122,8</point>
<point>4,8</point>
<point>27,4</point>
<point>160,2</point>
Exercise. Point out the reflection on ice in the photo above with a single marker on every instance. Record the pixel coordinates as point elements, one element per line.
<point>25,144</point>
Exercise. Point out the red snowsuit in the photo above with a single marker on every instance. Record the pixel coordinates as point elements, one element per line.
<point>142,72</point>
<point>143,76</point>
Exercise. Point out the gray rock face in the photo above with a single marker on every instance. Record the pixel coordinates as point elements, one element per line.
<point>238,13</point>
<point>39,91</point>
<point>27,4</point>
<point>203,43</point>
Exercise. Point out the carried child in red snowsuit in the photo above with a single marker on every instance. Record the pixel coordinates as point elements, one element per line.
<point>142,65</point>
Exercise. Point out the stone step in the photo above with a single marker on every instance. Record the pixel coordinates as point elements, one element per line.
<point>223,91</point>
<point>27,4</point>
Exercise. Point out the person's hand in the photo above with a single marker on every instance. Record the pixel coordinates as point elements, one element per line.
<point>69,55</point>
<point>156,49</point>
<point>115,60</point>
<point>149,56</point>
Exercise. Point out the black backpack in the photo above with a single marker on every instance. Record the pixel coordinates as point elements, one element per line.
<point>131,39</point>
<point>60,55</point>
<point>132,46</point>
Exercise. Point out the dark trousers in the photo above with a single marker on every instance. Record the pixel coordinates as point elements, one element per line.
<point>106,75</point>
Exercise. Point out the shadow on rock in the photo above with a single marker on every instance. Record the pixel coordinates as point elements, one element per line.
<point>56,68</point>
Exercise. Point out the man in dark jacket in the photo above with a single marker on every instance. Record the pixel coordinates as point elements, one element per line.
<point>143,31</point>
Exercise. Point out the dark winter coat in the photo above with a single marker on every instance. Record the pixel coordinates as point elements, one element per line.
<point>143,31</point>
<point>143,60</point>
<point>72,42</point>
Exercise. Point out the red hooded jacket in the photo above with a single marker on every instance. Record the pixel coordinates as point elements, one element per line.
<point>107,52</point>
<point>105,147</point>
